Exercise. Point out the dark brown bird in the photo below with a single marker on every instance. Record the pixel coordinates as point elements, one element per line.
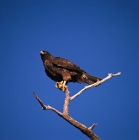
<point>63,71</point>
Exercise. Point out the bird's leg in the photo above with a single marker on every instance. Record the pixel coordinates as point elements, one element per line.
<point>61,85</point>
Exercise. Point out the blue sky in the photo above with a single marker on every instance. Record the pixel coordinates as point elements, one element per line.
<point>101,37</point>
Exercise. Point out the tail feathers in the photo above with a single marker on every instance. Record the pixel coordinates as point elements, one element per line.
<point>88,79</point>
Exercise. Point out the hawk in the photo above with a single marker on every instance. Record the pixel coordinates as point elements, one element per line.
<point>63,71</point>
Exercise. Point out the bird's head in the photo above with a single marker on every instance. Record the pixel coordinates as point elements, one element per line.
<point>44,54</point>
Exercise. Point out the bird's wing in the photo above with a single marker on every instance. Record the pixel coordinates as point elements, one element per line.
<point>63,63</point>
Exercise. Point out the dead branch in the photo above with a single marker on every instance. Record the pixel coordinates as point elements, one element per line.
<point>46,107</point>
<point>66,102</point>
<point>110,75</point>
<point>65,115</point>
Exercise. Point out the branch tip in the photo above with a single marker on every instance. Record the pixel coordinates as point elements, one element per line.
<point>92,126</point>
<point>40,102</point>
<point>118,73</point>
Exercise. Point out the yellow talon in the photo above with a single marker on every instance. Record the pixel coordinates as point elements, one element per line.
<point>58,84</point>
<point>61,85</point>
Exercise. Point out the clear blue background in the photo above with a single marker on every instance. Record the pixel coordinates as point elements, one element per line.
<point>101,37</point>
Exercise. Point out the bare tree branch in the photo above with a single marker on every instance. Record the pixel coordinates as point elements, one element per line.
<point>66,102</point>
<point>65,115</point>
<point>41,103</point>
<point>46,107</point>
<point>95,84</point>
